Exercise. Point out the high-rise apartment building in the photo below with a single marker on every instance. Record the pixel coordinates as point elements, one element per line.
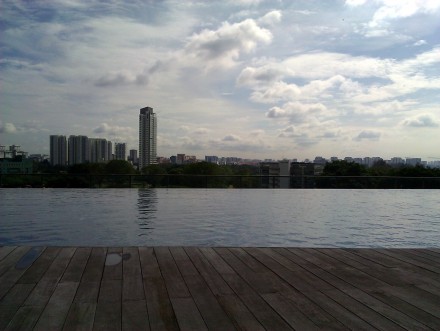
<point>147,137</point>
<point>120,151</point>
<point>58,150</point>
<point>78,149</point>
<point>100,150</point>
<point>133,156</point>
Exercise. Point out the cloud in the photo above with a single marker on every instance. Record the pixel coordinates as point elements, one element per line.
<point>115,130</point>
<point>7,128</point>
<point>278,91</point>
<point>355,3</point>
<point>368,135</point>
<point>201,131</point>
<point>271,18</point>
<point>422,121</point>
<point>223,47</point>
<point>231,137</point>
<point>299,112</point>
<point>111,80</point>
<point>420,42</point>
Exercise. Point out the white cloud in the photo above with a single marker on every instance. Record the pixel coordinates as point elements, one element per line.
<point>270,18</point>
<point>223,47</point>
<point>422,121</point>
<point>7,128</point>
<point>112,130</point>
<point>368,135</point>
<point>420,43</point>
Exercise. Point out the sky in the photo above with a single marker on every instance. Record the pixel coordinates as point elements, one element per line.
<point>246,78</point>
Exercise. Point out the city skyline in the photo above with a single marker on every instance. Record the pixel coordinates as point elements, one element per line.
<point>251,78</point>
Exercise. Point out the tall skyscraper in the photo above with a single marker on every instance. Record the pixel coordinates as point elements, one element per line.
<point>79,149</point>
<point>58,150</point>
<point>120,151</point>
<point>147,137</point>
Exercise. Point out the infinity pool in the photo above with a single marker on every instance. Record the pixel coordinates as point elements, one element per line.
<point>220,217</point>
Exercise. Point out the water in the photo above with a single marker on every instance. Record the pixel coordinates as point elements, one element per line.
<point>216,217</point>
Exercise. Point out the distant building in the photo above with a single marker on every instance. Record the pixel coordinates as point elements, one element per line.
<point>275,174</point>
<point>132,156</point>
<point>14,161</point>
<point>58,150</point>
<point>413,161</point>
<point>78,149</point>
<point>180,159</point>
<point>319,160</point>
<point>147,137</point>
<point>100,150</point>
<point>211,159</point>
<point>120,151</point>
<point>300,173</point>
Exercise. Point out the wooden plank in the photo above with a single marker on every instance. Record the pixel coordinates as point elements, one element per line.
<point>347,314</point>
<point>213,315</point>
<point>149,265</point>
<point>417,297</point>
<point>7,312</point>
<point>55,312</point>
<point>412,273</point>
<point>87,292</point>
<point>357,290</point>
<point>95,265</point>
<point>11,302</point>
<point>25,318</point>
<point>160,310</point>
<point>411,259</point>
<point>407,308</point>
<point>77,265</point>
<point>5,250</point>
<point>262,311</point>
<point>39,267</point>
<point>42,292</point>
<point>133,287</point>
<point>113,270</point>
<point>12,258</point>
<point>207,270</point>
<point>426,255</point>
<point>240,315</point>
<point>298,277</point>
<point>291,314</point>
<point>187,314</point>
<point>216,261</point>
<point>108,316</point>
<point>80,317</point>
<point>17,294</point>
<point>185,265</point>
<point>110,291</point>
<point>10,277</point>
<point>173,279</point>
<point>135,315</point>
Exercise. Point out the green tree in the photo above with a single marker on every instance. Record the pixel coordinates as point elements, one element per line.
<point>121,167</point>
<point>343,168</point>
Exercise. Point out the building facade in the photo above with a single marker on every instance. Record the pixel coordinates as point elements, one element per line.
<point>78,149</point>
<point>120,151</point>
<point>58,150</point>
<point>100,150</point>
<point>147,137</point>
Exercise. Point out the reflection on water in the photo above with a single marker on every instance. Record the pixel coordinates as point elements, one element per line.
<point>216,217</point>
<point>147,207</point>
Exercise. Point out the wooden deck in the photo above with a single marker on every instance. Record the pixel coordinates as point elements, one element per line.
<point>186,288</point>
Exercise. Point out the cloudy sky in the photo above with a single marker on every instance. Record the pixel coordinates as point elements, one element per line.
<point>248,78</point>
